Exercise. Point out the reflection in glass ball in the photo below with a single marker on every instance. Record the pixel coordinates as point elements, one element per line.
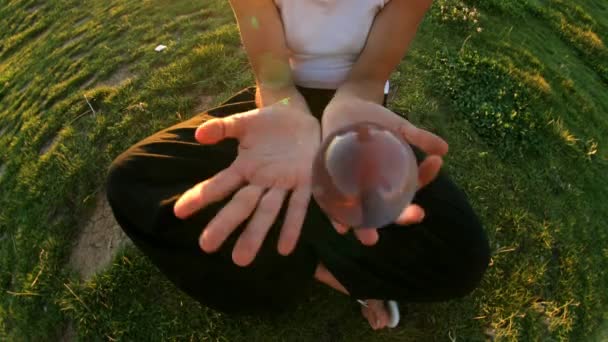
<point>364,175</point>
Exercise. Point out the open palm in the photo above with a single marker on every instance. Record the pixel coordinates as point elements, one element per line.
<point>276,147</point>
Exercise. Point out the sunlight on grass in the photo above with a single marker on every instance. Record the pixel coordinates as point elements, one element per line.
<point>536,81</point>
<point>517,87</point>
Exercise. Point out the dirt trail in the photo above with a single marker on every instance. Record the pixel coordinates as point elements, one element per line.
<point>98,241</point>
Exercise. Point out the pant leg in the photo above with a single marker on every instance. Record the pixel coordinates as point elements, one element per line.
<point>443,257</point>
<point>144,183</point>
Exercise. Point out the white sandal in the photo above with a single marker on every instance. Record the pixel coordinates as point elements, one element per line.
<point>393,310</point>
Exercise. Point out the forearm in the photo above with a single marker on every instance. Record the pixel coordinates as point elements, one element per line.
<point>263,37</point>
<point>382,53</point>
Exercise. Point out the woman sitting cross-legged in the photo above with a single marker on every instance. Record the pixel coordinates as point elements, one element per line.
<point>221,203</point>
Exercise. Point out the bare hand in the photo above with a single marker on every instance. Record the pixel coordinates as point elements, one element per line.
<point>351,110</point>
<point>276,147</point>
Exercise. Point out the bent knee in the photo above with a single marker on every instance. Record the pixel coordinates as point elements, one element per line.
<point>472,253</point>
<point>130,191</point>
<point>466,259</point>
<point>118,179</point>
<point>469,269</point>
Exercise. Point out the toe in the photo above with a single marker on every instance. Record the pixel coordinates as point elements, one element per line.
<point>384,319</point>
<point>380,312</point>
<point>370,316</point>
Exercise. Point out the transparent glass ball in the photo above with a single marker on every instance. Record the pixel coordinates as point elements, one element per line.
<point>364,176</point>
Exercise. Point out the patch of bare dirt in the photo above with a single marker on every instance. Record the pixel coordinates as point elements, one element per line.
<point>121,75</point>
<point>47,146</point>
<point>88,83</point>
<point>82,21</point>
<point>80,55</point>
<point>72,40</point>
<point>34,8</point>
<point>189,15</point>
<point>69,334</point>
<point>204,103</point>
<point>25,87</point>
<point>99,240</point>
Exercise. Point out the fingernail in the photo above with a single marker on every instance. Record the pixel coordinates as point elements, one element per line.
<point>284,251</point>
<point>422,216</point>
<point>205,245</point>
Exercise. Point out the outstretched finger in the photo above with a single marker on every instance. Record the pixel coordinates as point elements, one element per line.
<point>412,214</point>
<point>340,228</point>
<point>428,170</point>
<point>229,218</point>
<point>294,218</point>
<point>425,140</point>
<point>367,236</point>
<point>215,130</point>
<point>209,191</point>
<point>253,236</point>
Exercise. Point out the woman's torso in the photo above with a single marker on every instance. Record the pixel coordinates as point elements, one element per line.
<point>325,37</point>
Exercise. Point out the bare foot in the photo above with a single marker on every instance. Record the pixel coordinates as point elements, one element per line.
<point>377,314</point>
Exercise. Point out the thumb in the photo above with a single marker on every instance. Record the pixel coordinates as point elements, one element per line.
<point>218,129</point>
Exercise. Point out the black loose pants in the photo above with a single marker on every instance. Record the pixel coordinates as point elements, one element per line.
<point>441,258</point>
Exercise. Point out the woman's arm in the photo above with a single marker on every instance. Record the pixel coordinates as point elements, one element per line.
<point>264,40</point>
<point>389,39</point>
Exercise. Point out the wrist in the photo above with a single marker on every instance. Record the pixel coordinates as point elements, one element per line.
<point>266,96</point>
<point>367,90</point>
<point>348,108</point>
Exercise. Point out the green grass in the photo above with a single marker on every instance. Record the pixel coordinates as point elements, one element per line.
<point>522,104</point>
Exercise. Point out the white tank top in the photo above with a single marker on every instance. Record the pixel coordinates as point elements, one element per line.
<point>325,37</point>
